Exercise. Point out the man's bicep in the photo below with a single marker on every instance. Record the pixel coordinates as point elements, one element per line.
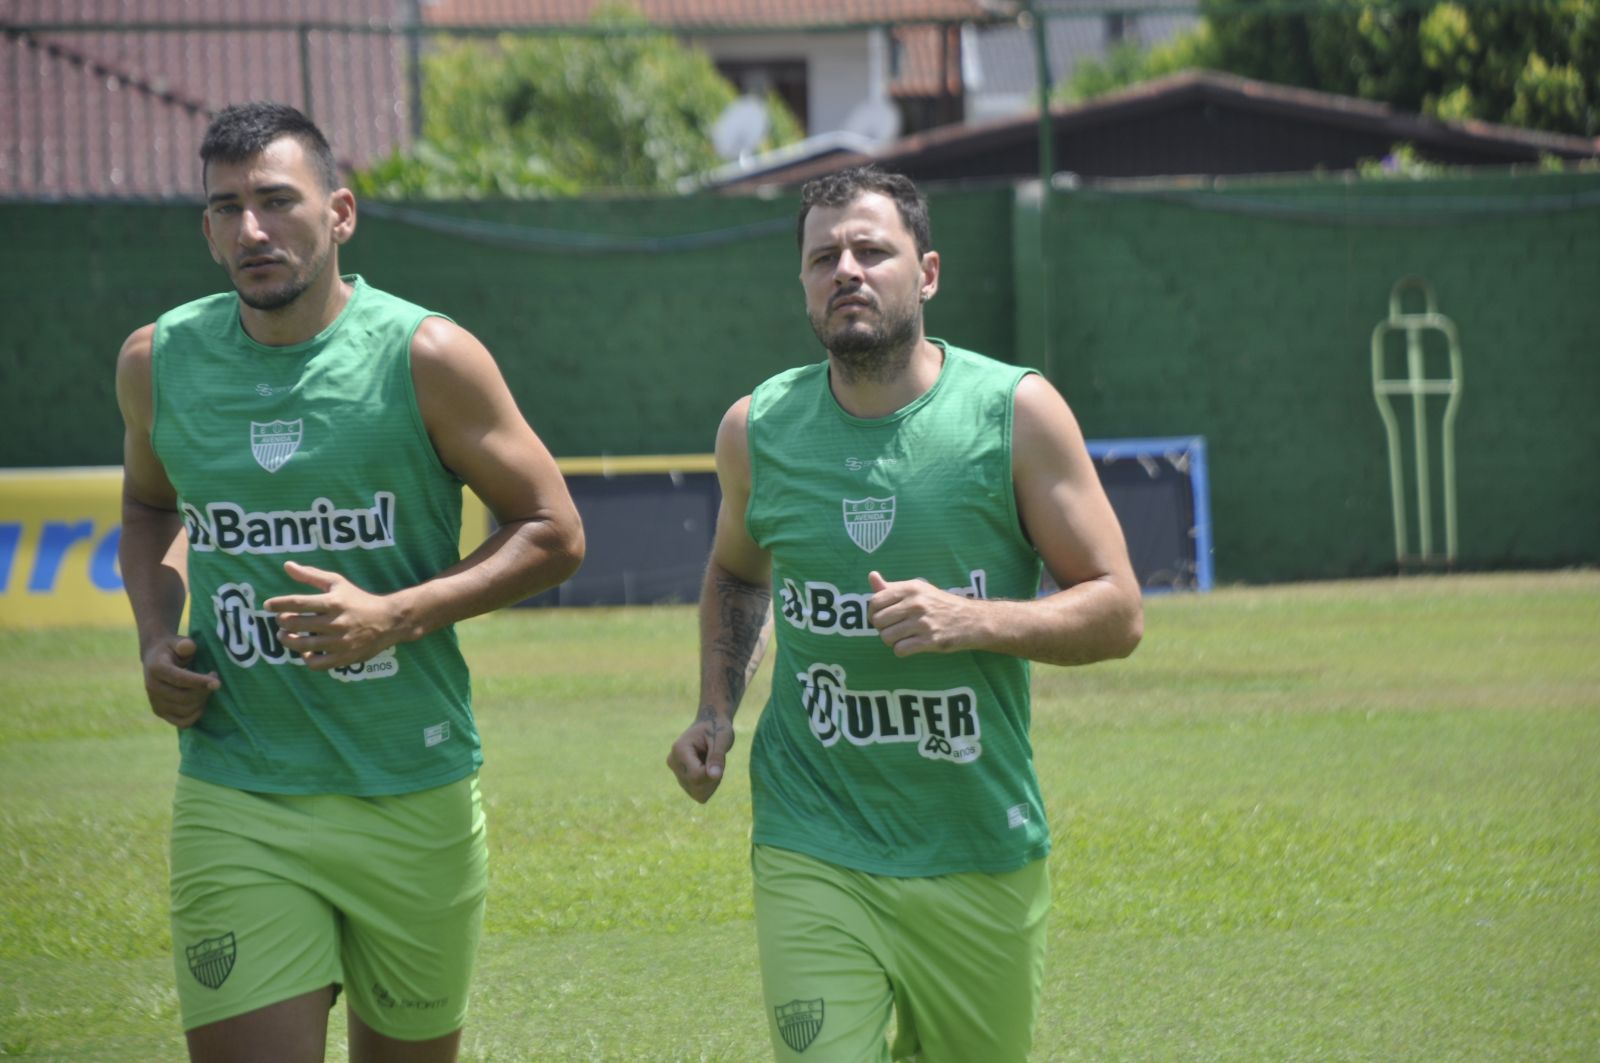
<point>1064,508</point>
<point>476,428</point>
<point>509,468</point>
<point>733,548</point>
<point>1076,533</point>
<point>144,477</point>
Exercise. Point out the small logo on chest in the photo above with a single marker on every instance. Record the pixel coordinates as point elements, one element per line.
<point>867,521</point>
<point>275,442</point>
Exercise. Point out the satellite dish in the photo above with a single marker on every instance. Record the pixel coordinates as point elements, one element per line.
<point>740,128</point>
<point>876,119</point>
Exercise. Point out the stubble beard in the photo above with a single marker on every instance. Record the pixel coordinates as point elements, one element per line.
<point>287,292</point>
<point>865,353</point>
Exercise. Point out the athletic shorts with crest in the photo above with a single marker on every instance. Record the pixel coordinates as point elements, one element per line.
<point>958,960</point>
<point>277,895</point>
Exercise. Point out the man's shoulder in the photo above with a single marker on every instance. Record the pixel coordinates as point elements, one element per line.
<point>972,377</point>
<point>382,297</point>
<point>794,374</point>
<point>195,309</point>
<point>983,363</point>
<point>792,397</point>
<point>374,304</point>
<point>800,379</point>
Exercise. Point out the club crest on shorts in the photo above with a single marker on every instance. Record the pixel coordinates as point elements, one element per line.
<point>799,1022</point>
<point>868,520</point>
<point>275,442</point>
<point>211,961</point>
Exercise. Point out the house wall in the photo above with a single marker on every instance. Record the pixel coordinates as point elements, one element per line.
<point>1245,316</point>
<point>1007,82</point>
<point>841,68</point>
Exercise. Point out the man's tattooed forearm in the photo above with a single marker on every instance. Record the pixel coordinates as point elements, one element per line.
<point>742,614</point>
<point>708,714</point>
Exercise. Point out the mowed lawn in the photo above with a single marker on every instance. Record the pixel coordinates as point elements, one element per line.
<point>1344,821</point>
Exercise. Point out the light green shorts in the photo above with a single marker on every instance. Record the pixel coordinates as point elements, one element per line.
<point>277,895</point>
<point>958,958</point>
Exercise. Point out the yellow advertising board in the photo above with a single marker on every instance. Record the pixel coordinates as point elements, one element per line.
<point>59,532</point>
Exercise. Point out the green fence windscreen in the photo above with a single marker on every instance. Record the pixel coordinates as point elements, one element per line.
<point>1246,316</point>
<point>1243,314</point>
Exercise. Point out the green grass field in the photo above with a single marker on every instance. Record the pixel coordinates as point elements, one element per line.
<point>1350,821</point>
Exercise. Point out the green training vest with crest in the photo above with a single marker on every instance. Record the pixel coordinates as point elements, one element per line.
<point>919,765</point>
<point>313,453</point>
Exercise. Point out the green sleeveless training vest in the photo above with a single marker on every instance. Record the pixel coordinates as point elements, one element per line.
<point>314,453</point>
<point>901,766</point>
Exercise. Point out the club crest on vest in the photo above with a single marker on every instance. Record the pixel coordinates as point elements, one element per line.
<point>211,961</point>
<point>274,442</point>
<point>868,520</point>
<point>799,1022</point>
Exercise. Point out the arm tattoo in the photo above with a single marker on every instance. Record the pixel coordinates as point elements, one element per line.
<point>742,611</point>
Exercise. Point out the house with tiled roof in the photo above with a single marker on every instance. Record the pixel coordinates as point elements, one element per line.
<point>824,58</point>
<point>112,96</point>
<point>1191,123</point>
<point>109,98</point>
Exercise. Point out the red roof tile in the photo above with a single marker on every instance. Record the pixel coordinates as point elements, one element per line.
<point>101,112</point>
<point>679,14</point>
<point>120,114</point>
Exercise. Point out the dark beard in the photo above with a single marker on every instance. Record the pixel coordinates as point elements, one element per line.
<point>274,300</point>
<point>867,355</point>
<point>288,292</point>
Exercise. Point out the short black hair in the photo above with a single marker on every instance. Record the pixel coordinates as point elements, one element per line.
<point>841,188</point>
<point>243,131</point>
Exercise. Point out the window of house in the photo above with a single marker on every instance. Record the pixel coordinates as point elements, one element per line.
<point>786,77</point>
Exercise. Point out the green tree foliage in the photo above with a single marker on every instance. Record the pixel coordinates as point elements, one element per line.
<point>557,115</point>
<point>1127,64</point>
<point>1531,63</point>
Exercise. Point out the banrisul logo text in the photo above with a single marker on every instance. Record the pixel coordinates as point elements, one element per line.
<point>825,609</point>
<point>249,635</point>
<point>944,724</point>
<point>232,529</point>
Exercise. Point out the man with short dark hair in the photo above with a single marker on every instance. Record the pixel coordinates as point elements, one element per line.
<point>293,462</point>
<point>899,496</point>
